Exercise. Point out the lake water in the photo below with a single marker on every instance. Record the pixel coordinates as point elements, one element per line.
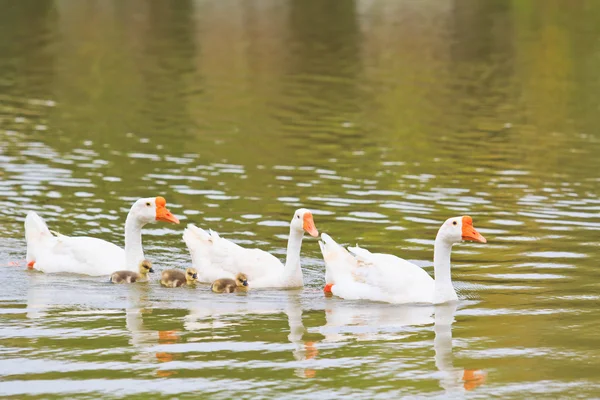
<point>383,117</point>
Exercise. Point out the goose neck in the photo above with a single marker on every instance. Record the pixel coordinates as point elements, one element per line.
<point>444,291</point>
<point>134,254</point>
<point>292,261</point>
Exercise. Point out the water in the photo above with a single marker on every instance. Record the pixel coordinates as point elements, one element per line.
<point>384,117</point>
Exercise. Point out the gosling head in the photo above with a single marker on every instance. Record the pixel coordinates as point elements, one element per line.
<point>457,229</point>
<point>191,275</point>
<point>303,222</point>
<point>241,280</point>
<point>145,267</point>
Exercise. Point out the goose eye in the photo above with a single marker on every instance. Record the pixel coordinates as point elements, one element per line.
<point>148,204</point>
<point>453,222</point>
<point>297,216</point>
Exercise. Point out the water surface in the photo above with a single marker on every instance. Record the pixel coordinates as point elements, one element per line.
<point>383,117</point>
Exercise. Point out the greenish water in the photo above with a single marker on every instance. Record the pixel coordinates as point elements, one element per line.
<point>383,117</point>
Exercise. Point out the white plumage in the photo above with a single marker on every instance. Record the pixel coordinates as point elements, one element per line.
<point>215,257</point>
<point>48,252</point>
<point>80,255</point>
<point>357,273</point>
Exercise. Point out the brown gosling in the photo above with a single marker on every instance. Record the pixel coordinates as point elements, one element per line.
<point>176,277</point>
<point>130,276</point>
<point>226,285</point>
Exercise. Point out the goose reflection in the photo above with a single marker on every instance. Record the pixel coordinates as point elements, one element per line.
<point>452,379</point>
<point>140,338</point>
<point>374,321</point>
<point>39,299</point>
<point>370,321</point>
<point>302,350</point>
<point>144,340</point>
<point>215,315</point>
<point>46,292</point>
<point>55,296</point>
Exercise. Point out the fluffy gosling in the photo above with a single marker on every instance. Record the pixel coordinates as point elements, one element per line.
<point>176,277</point>
<point>226,285</point>
<point>130,276</point>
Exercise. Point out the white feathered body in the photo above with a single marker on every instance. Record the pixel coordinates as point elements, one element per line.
<point>215,258</point>
<point>52,253</point>
<point>357,273</point>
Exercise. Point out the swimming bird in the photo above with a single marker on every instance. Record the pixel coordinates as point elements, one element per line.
<point>226,285</point>
<point>176,277</point>
<point>52,252</point>
<point>357,273</point>
<point>216,257</point>
<point>130,276</point>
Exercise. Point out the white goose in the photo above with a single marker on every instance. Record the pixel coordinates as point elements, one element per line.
<point>360,274</point>
<point>91,256</point>
<point>215,257</point>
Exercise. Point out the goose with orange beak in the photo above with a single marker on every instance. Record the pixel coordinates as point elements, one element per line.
<point>51,252</point>
<point>356,273</point>
<point>215,257</point>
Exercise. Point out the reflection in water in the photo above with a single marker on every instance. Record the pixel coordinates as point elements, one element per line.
<point>219,315</point>
<point>302,350</point>
<point>380,322</point>
<point>452,379</point>
<point>370,321</point>
<point>49,293</point>
<point>140,337</point>
<point>344,321</point>
<point>37,300</point>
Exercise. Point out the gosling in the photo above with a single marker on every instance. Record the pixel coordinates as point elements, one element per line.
<point>176,277</point>
<point>240,284</point>
<point>130,276</point>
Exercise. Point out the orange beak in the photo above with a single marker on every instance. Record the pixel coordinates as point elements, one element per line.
<point>469,232</point>
<point>162,213</point>
<point>309,225</point>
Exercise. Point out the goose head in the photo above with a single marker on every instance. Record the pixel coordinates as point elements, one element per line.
<point>303,222</point>
<point>191,275</point>
<point>337,259</point>
<point>241,279</point>
<point>457,229</point>
<point>152,209</point>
